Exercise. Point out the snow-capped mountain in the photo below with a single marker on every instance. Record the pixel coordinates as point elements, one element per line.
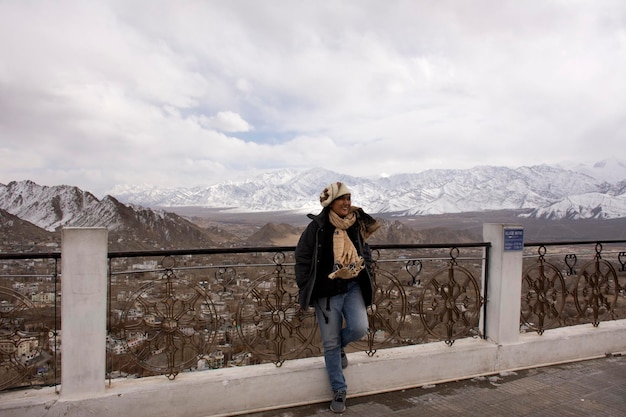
<point>32,215</point>
<point>549,191</point>
<point>584,206</point>
<point>271,191</point>
<point>542,191</point>
<point>51,208</point>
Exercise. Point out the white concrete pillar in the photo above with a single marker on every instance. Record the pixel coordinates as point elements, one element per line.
<point>83,311</point>
<point>504,287</point>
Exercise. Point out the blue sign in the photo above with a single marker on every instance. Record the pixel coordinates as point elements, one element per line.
<point>513,239</point>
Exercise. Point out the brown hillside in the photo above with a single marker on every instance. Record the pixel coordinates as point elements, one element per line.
<point>275,235</point>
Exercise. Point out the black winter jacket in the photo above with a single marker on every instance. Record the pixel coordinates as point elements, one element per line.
<point>313,247</point>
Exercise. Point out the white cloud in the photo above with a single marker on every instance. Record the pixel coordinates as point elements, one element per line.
<point>225,121</point>
<point>194,92</point>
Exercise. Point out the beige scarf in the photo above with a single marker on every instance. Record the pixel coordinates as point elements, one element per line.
<point>348,263</point>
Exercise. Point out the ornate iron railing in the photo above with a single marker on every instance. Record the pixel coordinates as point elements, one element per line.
<point>190,310</point>
<point>29,320</point>
<point>565,288</point>
<point>175,311</point>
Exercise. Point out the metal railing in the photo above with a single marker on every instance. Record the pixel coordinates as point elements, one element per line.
<point>176,311</point>
<point>188,310</point>
<point>29,320</point>
<point>573,283</point>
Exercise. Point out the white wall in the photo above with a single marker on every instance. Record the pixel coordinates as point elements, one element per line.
<point>83,311</point>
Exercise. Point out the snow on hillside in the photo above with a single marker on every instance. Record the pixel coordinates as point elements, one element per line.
<point>585,206</point>
<point>550,191</point>
<point>429,192</point>
<point>48,207</point>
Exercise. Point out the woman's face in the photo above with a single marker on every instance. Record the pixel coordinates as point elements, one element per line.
<point>341,205</point>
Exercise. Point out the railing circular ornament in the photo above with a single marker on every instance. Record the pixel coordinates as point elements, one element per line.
<point>168,262</point>
<point>544,294</point>
<point>386,314</point>
<point>449,306</point>
<point>596,290</point>
<point>167,324</point>
<point>23,340</point>
<point>270,322</point>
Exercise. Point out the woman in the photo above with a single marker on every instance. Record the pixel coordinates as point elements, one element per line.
<point>333,273</point>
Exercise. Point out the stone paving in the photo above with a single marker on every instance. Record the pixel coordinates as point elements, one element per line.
<point>594,387</point>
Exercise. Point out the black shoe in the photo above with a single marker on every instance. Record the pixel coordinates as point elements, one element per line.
<point>344,360</point>
<point>338,404</point>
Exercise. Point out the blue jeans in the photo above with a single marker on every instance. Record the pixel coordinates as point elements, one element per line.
<point>348,306</point>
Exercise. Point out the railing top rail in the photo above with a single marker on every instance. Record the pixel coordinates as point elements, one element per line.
<point>201,251</point>
<point>214,251</point>
<point>572,242</point>
<point>217,251</point>
<point>30,255</point>
<point>431,245</point>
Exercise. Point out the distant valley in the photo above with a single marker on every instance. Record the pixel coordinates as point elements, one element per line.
<point>439,228</point>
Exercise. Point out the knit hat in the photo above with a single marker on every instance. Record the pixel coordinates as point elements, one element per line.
<point>332,192</point>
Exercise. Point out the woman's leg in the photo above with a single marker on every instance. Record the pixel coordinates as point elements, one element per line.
<point>330,320</point>
<point>355,315</point>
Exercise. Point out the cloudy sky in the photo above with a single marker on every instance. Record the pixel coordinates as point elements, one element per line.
<point>185,93</point>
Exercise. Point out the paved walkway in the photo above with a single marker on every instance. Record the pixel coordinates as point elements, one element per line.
<point>590,388</point>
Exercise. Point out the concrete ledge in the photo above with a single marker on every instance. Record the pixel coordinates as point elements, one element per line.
<point>565,344</point>
<point>234,391</point>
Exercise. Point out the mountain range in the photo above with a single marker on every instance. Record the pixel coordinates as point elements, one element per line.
<point>32,216</point>
<point>142,217</point>
<point>550,192</point>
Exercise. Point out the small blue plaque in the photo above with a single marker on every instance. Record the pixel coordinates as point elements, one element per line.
<point>513,239</point>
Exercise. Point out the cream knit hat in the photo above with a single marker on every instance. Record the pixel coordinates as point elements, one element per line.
<point>333,191</point>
